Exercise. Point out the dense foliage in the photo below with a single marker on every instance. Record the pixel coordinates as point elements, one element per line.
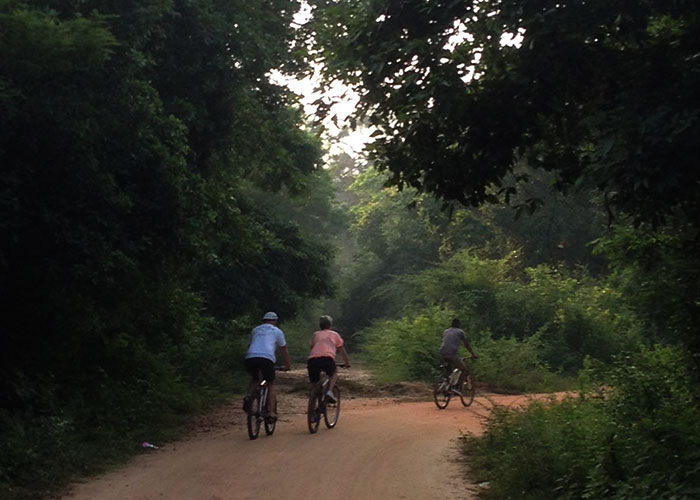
<point>402,232</point>
<point>636,437</point>
<point>157,194</point>
<point>470,100</point>
<point>460,91</point>
<point>522,326</point>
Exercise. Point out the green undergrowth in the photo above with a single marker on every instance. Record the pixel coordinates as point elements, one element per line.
<point>530,328</point>
<point>633,434</point>
<point>407,349</point>
<point>39,453</point>
<point>67,435</point>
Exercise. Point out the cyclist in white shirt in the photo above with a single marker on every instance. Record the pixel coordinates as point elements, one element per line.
<point>260,358</point>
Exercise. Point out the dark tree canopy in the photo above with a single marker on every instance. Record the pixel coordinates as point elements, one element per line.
<point>601,93</point>
<point>144,155</point>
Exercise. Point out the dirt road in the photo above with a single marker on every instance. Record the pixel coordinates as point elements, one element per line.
<point>382,448</point>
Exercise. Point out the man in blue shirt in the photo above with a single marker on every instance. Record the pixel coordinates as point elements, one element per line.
<point>260,358</point>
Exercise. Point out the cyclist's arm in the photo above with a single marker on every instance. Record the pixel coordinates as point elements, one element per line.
<point>469,348</point>
<point>285,357</point>
<point>344,354</point>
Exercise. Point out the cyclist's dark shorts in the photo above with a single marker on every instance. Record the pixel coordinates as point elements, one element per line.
<point>315,365</point>
<point>455,362</point>
<point>264,365</point>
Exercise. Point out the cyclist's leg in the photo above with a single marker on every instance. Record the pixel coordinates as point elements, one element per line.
<point>459,363</point>
<point>313,366</point>
<point>272,399</point>
<point>333,380</point>
<point>332,372</point>
<point>456,362</point>
<point>251,366</point>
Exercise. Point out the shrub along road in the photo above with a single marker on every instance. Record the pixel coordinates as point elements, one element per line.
<point>389,447</point>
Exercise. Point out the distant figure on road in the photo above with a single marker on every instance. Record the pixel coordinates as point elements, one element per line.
<point>449,350</point>
<point>260,358</point>
<point>324,344</point>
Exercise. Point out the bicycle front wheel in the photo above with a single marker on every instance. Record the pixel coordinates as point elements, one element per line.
<point>330,416</point>
<point>467,392</point>
<point>270,426</point>
<point>253,417</point>
<point>441,393</point>
<point>313,414</point>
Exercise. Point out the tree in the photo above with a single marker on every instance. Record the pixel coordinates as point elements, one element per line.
<point>135,136</point>
<point>460,92</point>
<point>157,194</point>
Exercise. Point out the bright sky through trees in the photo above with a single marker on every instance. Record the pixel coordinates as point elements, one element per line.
<point>339,134</point>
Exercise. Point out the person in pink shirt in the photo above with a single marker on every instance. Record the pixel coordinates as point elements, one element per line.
<point>324,344</point>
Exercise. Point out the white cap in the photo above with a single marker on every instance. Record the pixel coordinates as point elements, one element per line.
<point>270,315</point>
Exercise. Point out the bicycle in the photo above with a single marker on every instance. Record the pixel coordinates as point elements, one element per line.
<point>448,384</point>
<point>319,406</point>
<point>257,412</point>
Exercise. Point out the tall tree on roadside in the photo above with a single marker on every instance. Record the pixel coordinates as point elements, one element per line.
<point>136,139</point>
<point>460,91</point>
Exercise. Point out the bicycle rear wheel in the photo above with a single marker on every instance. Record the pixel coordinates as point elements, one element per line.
<point>467,391</point>
<point>330,416</point>
<point>313,414</point>
<point>252,419</point>
<point>441,393</point>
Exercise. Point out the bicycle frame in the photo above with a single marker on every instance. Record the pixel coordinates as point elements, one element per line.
<point>262,389</point>
<point>453,382</point>
<point>319,391</point>
<point>259,414</point>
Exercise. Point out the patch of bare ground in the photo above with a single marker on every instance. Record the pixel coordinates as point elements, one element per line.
<point>391,442</point>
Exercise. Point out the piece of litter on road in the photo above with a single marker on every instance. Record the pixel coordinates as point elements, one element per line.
<point>146,444</point>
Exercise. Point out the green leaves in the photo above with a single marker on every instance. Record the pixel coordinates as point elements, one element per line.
<point>150,204</point>
<point>625,67</point>
<point>637,439</point>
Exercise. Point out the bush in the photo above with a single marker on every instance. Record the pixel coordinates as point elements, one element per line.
<point>510,365</point>
<point>406,349</point>
<point>532,330</point>
<point>637,438</point>
<point>535,453</point>
<point>67,433</point>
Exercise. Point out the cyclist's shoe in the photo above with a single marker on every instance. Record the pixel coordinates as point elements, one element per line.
<point>330,398</point>
<point>246,404</point>
<point>271,418</point>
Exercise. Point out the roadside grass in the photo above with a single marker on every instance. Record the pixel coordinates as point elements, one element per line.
<point>41,453</point>
<point>633,433</point>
